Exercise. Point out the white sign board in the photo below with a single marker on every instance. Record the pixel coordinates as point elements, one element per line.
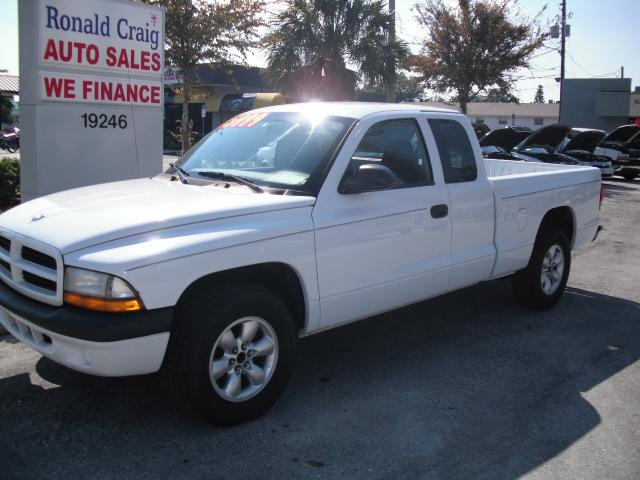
<point>91,92</point>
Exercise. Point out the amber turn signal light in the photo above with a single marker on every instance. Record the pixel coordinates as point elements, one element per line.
<point>102,304</point>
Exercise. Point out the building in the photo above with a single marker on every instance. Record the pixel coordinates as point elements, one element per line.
<point>499,115</point>
<point>9,88</point>
<point>634,106</point>
<point>218,93</point>
<point>602,103</point>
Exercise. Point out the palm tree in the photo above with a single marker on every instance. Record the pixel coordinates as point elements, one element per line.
<point>312,42</point>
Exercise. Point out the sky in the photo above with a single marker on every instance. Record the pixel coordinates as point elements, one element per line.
<point>603,38</point>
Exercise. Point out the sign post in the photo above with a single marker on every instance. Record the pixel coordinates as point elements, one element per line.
<point>203,115</point>
<point>91,92</point>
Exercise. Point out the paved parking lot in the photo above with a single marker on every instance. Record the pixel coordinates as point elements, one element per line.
<point>466,386</point>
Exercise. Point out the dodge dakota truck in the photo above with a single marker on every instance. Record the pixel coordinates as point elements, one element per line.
<point>281,223</point>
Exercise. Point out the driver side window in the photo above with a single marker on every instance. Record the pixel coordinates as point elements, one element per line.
<point>397,145</point>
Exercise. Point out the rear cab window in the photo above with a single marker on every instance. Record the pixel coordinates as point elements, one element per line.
<point>455,150</point>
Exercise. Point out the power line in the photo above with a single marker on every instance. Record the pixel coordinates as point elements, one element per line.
<point>588,72</point>
<point>549,85</point>
<point>551,49</point>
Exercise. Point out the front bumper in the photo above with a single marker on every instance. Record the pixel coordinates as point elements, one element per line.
<point>605,170</point>
<point>626,164</point>
<point>91,342</point>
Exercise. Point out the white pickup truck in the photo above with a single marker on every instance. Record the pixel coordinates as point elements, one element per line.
<point>283,222</point>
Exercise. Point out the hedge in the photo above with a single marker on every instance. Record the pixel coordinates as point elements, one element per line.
<point>9,182</point>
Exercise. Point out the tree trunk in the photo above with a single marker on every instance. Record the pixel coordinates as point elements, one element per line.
<point>464,100</point>
<point>184,123</point>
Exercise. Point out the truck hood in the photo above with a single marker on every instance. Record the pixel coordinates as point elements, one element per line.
<point>79,218</point>
<point>505,138</point>
<point>550,136</point>
<point>586,140</point>
<point>623,134</point>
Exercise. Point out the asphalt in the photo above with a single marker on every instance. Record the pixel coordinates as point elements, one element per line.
<point>465,386</point>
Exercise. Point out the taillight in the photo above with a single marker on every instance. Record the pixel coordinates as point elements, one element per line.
<point>601,194</point>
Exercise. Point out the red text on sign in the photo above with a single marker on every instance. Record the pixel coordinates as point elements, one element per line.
<point>82,53</point>
<point>60,87</point>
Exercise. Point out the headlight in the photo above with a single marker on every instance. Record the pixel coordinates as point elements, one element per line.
<point>99,291</point>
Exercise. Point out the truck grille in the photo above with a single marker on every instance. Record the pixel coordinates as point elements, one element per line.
<point>5,243</point>
<point>39,258</point>
<point>31,268</point>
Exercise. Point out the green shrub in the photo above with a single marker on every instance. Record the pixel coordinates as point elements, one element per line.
<point>9,182</point>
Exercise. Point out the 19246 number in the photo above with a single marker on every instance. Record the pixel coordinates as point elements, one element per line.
<point>93,120</point>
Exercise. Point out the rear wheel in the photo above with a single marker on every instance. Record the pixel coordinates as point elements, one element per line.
<point>541,284</point>
<point>629,176</point>
<point>230,357</point>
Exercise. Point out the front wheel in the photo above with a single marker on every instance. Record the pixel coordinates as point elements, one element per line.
<point>231,356</point>
<point>629,176</point>
<point>540,285</point>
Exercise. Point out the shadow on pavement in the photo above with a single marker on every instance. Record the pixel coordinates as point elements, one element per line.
<point>617,190</point>
<point>467,385</point>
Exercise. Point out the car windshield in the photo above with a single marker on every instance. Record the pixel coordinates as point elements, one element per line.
<point>492,149</point>
<point>282,150</point>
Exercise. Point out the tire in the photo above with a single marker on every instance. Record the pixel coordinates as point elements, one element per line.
<point>203,371</point>
<point>629,176</point>
<point>11,148</point>
<point>531,287</point>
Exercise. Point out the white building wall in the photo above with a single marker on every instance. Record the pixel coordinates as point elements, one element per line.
<point>494,122</point>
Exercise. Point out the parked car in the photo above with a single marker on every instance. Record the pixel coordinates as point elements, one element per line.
<point>581,144</point>
<point>551,144</point>
<point>498,143</point>
<point>211,274</point>
<point>622,146</point>
<point>539,146</point>
<point>627,165</point>
<point>619,140</point>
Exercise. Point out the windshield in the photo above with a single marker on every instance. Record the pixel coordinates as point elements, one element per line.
<point>492,149</point>
<point>283,150</point>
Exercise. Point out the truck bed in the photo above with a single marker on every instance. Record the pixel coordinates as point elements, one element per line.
<point>510,178</point>
<point>525,191</point>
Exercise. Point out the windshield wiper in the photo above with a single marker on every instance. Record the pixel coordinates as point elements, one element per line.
<point>232,178</point>
<point>182,175</point>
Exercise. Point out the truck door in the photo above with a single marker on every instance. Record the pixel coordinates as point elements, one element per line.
<point>382,249</point>
<point>471,194</point>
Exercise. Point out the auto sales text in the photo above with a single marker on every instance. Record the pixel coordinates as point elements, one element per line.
<point>96,53</point>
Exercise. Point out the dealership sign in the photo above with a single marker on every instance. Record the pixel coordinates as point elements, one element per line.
<point>82,61</point>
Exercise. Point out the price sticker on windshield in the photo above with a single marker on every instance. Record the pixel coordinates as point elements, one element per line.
<point>245,120</point>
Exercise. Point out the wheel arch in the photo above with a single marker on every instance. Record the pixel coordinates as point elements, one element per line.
<point>561,218</point>
<point>278,277</point>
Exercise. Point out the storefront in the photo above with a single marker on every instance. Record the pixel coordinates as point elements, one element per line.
<point>219,94</point>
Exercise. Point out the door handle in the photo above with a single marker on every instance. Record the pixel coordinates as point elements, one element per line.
<point>439,211</point>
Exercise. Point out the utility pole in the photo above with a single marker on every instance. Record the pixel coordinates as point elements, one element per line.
<point>391,82</point>
<point>622,71</point>
<point>563,37</point>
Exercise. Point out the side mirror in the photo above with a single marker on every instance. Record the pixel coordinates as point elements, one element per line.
<point>368,178</point>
